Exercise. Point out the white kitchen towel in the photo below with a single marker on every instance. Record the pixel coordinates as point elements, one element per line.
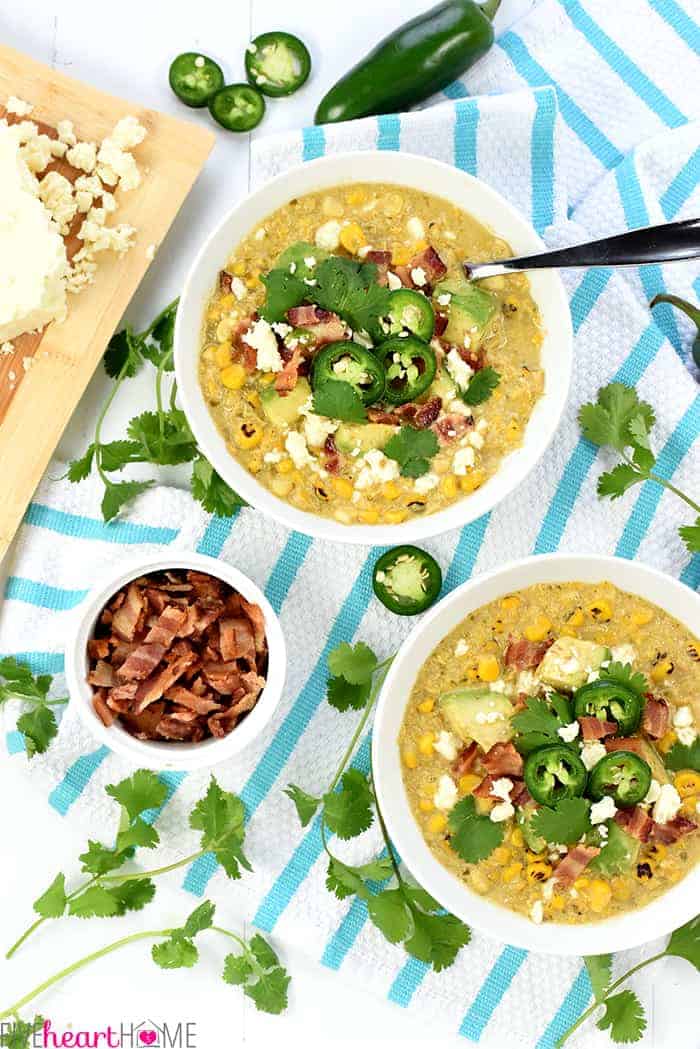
<point>323,592</point>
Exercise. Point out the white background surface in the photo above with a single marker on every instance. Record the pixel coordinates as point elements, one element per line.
<point>126,48</point>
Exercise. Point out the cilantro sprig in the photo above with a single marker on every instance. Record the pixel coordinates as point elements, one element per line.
<point>161,438</point>
<point>481,386</point>
<point>623,1014</point>
<point>109,890</point>
<point>621,421</point>
<point>473,837</point>
<point>256,969</point>
<point>539,723</point>
<point>412,449</point>
<point>564,823</point>
<point>38,722</point>
<point>403,912</point>
<point>339,400</point>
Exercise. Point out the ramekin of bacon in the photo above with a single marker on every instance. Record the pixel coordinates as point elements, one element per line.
<point>177,663</point>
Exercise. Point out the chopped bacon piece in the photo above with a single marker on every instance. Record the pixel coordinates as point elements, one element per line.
<point>526,655</point>
<point>464,760</point>
<point>441,322</point>
<point>382,260</point>
<point>420,415</point>
<point>575,861</point>
<point>102,675</point>
<point>236,640</point>
<point>476,361</point>
<point>144,725</point>
<point>161,680</point>
<point>520,795</point>
<point>404,275</point>
<point>286,380</point>
<point>430,262</point>
<point>596,728</point>
<point>126,619</point>
<point>324,325</point>
<point>142,662</point>
<point>625,743</point>
<point>655,717</point>
<point>186,697</point>
<point>332,458</point>
<point>223,677</point>
<point>636,822</point>
<point>171,727</point>
<point>483,789</point>
<point>503,760</point>
<point>103,712</point>
<point>451,426</point>
<point>98,648</point>
<point>667,833</point>
<point>167,626</point>
<point>225,280</point>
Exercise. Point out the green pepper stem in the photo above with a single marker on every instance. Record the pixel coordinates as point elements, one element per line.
<point>687,307</point>
<point>489,8</point>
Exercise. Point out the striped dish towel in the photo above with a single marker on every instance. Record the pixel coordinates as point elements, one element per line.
<point>531,136</point>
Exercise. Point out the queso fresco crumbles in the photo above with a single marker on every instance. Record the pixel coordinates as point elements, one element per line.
<point>551,753</point>
<point>352,367</point>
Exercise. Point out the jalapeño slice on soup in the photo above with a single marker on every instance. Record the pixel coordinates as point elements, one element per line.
<point>410,367</point>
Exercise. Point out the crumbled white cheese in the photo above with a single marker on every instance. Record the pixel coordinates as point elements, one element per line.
<point>464,459</point>
<point>238,288</point>
<point>488,717</point>
<point>623,654</point>
<point>66,134</point>
<point>446,746</point>
<point>603,831</point>
<point>56,193</point>
<point>298,452</point>
<point>603,810</point>
<point>18,107</point>
<point>476,440</point>
<point>527,682</point>
<point>548,887</point>
<point>317,428</point>
<point>653,794</point>
<point>667,804</point>
<point>36,152</point>
<point>686,736</point>
<point>272,457</point>
<point>281,329</point>
<point>328,235</point>
<point>262,339</point>
<point>6,349</point>
<point>446,795</point>
<point>591,753</point>
<point>115,165</point>
<point>418,276</point>
<point>537,912</point>
<point>375,468</point>
<point>569,732</point>
<point>501,788</point>
<point>462,647</point>
<point>459,370</point>
<point>261,233</point>
<point>83,155</point>
<point>444,299</point>
<point>128,133</point>
<point>683,717</point>
<point>499,685</point>
<point>426,483</point>
<point>501,812</point>
<point>415,228</point>
<point>393,281</point>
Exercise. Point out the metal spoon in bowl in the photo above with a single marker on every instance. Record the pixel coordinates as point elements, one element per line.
<point>668,243</point>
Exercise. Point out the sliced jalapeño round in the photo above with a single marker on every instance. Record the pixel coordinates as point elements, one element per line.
<point>610,701</point>
<point>412,312</point>
<point>553,773</point>
<point>237,107</point>
<point>195,78</point>
<point>621,775</point>
<point>277,63</point>
<point>349,362</point>
<point>410,367</point>
<point>407,580</point>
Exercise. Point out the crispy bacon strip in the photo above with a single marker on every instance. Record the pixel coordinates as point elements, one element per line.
<point>325,326</point>
<point>526,655</point>
<point>167,626</point>
<point>464,760</point>
<point>596,728</point>
<point>141,662</point>
<point>656,716</point>
<point>382,260</point>
<point>286,380</point>
<point>503,760</point>
<point>451,426</point>
<point>126,618</point>
<point>625,743</point>
<point>575,861</point>
<point>668,833</point>
<point>636,822</point>
<point>430,262</point>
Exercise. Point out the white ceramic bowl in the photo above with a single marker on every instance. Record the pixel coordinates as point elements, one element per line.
<point>163,755</point>
<point>406,169</point>
<point>660,916</point>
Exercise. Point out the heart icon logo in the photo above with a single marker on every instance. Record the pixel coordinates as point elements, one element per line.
<point>148,1037</point>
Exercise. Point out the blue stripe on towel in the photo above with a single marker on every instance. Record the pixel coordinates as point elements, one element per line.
<point>76,779</point>
<point>682,187</point>
<point>679,20</point>
<point>39,662</point>
<point>491,992</point>
<point>691,573</point>
<point>389,131</point>
<point>288,564</point>
<point>574,1003</point>
<point>542,166</point>
<point>466,553</point>
<point>465,135</point>
<point>407,981</point>
<point>217,532</point>
<point>42,595</point>
<point>455,90</point>
<point>80,527</point>
<point>314,143</point>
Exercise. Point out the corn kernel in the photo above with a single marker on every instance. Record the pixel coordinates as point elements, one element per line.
<point>538,630</point>
<point>437,823</point>
<point>657,851</point>
<point>369,516</point>
<point>395,516</point>
<point>581,883</point>
<point>468,781</point>
<point>227,302</point>
<point>425,743</point>
<point>512,430</point>
<point>601,611</point>
<point>222,354</point>
<point>512,872</point>
<point>427,706</point>
<point>417,246</point>
<point>213,313</point>
<point>661,670</point>
<point>239,269</point>
<point>599,893</point>
<point>471,481</point>
<point>510,602</point>
<point>248,434</point>
<point>352,238</point>
<point>501,854</point>
<point>410,759</point>
<point>400,256</point>
<point>285,466</point>
<point>356,196</point>
<point>448,486</point>
<point>233,377</point>
<point>488,668</point>
<point>576,617</point>
<point>667,741</point>
<point>391,490</point>
<point>642,617</point>
<point>253,280</point>
<point>567,631</point>
<point>343,487</point>
<point>538,871</point>
<point>557,903</point>
<point>517,837</point>
<point>425,805</point>
<point>687,783</point>
<point>621,888</point>
<point>691,805</point>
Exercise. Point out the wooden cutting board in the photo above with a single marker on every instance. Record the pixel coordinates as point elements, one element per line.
<point>38,399</point>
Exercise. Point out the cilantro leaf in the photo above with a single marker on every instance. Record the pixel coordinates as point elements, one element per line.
<point>237,969</point>
<point>258,971</point>
<point>19,1033</point>
<point>685,942</point>
<point>134,894</point>
<point>284,291</point>
<point>624,1016</point>
<point>117,454</point>
<point>437,938</point>
<point>80,469</point>
<point>350,289</point>
<point>391,914</point>
<point>355,663</point>
<point>344,696</point>
<point>539,722</point>
<point>348,811</point>
<point>339,400</point>
<point>690,534</point>
<point>344,881</point>
<point>38,727</point>
<point>682,756</point>
<point>138,793</point>
<point>95,902</point>
<point>608,421</point>
<point>412,449</point>
<point>157,346</point>
<point>306,804</point>
<point>123,354</point>
<point>117,495</point>
<point>220,816</point>
<point>140,835</point>
<point>164,437</point>
<point>617,481</point>
<point>563,824</point>
<point>177,952</point>
<point>623,674</point>
<point>201,918</point>
<point>599,968</point>
<point>481,386</point>
<point>210,489</point>
<point>474,837</point>
<point>99,859</point>
<point>52,903</point>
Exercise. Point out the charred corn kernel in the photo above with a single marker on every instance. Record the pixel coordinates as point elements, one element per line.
<point>425,743</point>
<point>343,487</point>
<point>511,872</point>
<point>391,490</point>
<point>437,823</point>
<point>425,805</point>
<point>661,670</point>
<point>538,871</point>
<point>448,486</point>
<point>253,280</point>
<point>222,354</point>
<point>471,481</point>
<point>410,758</point>
<point>285,466</point>
<point>557,903</point>
<point>427,706</point>
<point>227,302</point>
<point>472,673</point>
<point>356,196</point>
<point>468,781</point>
<point>600,611</point>
<point>599,893</point>
<point>510,602</point>
<point>687,783</point>
<point>488,668</point>
<point>501,854</point>
<point>369,516</point>
<point>657,851</point>
<point>538,630</point>
<point>641,618</point>
<point>253,399</point>
<point>621,888</point>
<point>248,434</point>
<point>666,741</point>
<point>239,269</point>
<point>576,617</point>
<point>352,238</point>
<point>517,837</point>
<point>395,516</point>
<point>233,377</point>
<point>694,651</point>
<point>498,626</point>
<point>400,256</point>
<point>512,430</point>
<point>535,857</point>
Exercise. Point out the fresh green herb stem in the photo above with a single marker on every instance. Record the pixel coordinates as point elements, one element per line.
<point>133,875</point>
<point>40,921</point>
<point>376,685</point>
<point>101,418</point>
<point>387,842</point>
<point>651,476</point>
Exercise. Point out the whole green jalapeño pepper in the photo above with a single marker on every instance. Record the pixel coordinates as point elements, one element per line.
<point>553,773</point>
<point>415,61</point>
<point>622,775</point>
<point>610,701</point>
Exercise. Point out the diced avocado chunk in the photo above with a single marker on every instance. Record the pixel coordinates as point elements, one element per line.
<point>470,312</point>
<point>533,841</point>
<point>295,256</point>
<point>477,713</point>
<point>569,662</point>
<point>283,411</point>
<point>619,854</point>
<point>441,386</point>
<point>364,436</point>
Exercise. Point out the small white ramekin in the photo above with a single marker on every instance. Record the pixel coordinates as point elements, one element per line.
<point>171,755</point>
<point>662,915</point>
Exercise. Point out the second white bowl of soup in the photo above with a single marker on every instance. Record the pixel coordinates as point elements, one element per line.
<point>535,753</point>
<point>341,373</point>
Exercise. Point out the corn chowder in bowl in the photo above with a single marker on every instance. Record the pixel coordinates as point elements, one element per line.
<point>348,369</point>
<point>549,753</point>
